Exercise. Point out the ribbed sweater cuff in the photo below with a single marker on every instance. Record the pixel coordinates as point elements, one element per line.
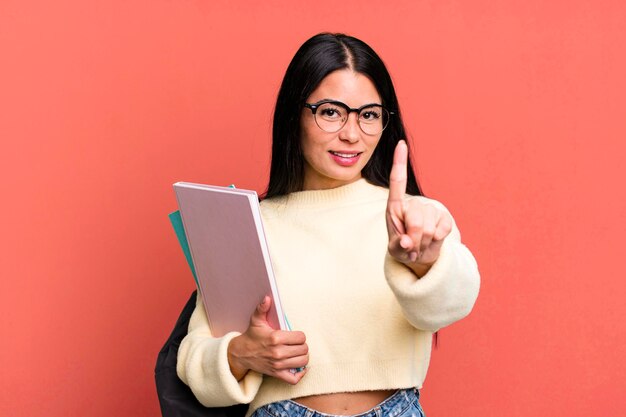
<point>222,389</point>
<point>443,295</point>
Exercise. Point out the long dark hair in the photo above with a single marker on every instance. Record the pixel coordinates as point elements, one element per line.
<point>316,58</point>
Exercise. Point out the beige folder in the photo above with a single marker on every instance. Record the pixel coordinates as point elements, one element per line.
<point>230,254</point>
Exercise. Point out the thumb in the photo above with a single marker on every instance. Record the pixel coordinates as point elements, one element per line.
<point>260,313</point>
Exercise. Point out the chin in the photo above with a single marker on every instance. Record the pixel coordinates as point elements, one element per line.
<point>347,179</point>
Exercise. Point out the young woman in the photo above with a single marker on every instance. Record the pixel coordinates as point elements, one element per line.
<point>368,269</point>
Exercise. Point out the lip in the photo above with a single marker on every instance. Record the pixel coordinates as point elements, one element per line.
<point>345,161</point>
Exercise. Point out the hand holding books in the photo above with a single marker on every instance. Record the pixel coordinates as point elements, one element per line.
<point>268,351</point>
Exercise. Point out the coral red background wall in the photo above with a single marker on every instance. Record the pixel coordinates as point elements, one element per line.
<point>517,113</point>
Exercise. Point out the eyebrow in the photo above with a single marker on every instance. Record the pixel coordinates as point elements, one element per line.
<point>339,101</point>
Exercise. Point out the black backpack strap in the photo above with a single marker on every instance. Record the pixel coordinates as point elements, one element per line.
<point>176,398</point>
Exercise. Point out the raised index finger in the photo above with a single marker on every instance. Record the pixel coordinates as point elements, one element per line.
<point>398,175</point>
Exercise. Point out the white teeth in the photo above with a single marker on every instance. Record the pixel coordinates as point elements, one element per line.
<point>344,155</point>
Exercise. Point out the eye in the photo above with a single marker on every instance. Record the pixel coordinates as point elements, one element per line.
<point>331,112</point>
<point>371,114</point>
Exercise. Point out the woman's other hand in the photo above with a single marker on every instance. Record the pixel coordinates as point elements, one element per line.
<point>268,351</point>
<point>416,229</point>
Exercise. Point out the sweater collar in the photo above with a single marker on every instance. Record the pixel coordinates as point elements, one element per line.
<point>359,190</point>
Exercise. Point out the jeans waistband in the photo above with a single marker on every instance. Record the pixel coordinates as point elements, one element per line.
<point>393,406</point>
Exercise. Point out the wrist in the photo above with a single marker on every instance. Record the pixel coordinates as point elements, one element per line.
<point>419,269</point>
<point>236,367</point>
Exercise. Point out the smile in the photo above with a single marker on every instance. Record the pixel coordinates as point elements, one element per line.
<point>345,159</point>
<point>345,155</point>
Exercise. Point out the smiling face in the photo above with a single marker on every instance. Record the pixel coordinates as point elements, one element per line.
<point>335,159</point>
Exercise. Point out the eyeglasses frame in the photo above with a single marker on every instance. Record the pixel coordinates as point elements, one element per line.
<point>313,107</point>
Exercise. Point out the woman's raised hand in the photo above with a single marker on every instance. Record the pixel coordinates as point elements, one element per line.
<point>416,229</point>
<point>268,351</point>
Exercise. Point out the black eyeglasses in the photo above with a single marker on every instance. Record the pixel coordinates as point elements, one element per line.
<point>331,116</point>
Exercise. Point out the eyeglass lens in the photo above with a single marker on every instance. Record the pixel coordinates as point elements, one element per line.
<point>331,117</point>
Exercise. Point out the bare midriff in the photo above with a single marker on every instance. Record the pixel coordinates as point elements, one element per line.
<point>345,403</point>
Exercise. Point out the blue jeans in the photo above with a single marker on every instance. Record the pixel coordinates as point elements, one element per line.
<point>404,403</point>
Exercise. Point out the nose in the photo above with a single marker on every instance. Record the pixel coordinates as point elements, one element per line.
<point>351,131</point>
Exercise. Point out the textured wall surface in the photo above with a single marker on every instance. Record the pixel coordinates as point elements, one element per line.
<point>516,111</point>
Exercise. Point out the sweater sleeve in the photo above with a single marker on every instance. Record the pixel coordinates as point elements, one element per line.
<point>446,293</point>
<point>202,364</point>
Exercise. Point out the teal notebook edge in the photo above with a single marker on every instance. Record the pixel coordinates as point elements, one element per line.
<point>179,229</point>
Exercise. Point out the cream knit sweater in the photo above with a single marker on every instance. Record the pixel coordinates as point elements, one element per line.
<point>367,318</point>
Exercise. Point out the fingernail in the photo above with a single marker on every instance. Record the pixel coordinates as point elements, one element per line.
<point>413,256</point>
